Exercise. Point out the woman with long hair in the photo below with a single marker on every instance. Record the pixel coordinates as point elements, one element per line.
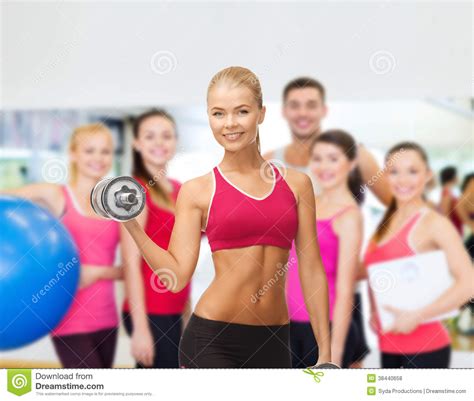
<point>410,227</point>
<point>251,213</point>
<point>339,224</point>
<point>152,314</point>
<point>87,335</point>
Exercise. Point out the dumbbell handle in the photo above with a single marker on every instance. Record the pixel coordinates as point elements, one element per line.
<point>128,199</point>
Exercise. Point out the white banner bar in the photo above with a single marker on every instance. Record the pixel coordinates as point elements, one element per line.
<point>241,384</point>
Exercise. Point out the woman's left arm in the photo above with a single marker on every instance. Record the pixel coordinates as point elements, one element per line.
<point>310,267</point>
<point>445,237</point>
<point>460,265</point>
<point>349,230</point>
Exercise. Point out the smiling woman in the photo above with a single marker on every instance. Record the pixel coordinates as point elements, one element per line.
<point>251,221</point>
<point>86,336</point>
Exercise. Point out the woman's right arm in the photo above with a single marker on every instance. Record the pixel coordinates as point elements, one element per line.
<point>183,251</point>
<point>47,195</point>
<point>445,203</point>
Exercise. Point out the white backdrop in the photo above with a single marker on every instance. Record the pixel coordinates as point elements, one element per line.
<point>103,54</point>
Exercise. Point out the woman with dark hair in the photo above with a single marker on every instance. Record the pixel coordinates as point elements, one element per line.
<point>410,227</point>
<point>152,314</point>
<point>339,224</point>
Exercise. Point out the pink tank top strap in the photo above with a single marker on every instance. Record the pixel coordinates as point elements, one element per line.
<point>342,211</point>
<point>69,206</point>
<point>405,231</point>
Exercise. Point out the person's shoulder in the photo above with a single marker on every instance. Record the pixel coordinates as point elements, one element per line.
<point>433,220</point>
<point>175,183</point>
<point>350,218</point>
<point>197,188</point>
<point>295,176</point>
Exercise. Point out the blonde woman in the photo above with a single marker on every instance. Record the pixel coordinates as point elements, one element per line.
<point>87,335</point>
<point>251,212</point>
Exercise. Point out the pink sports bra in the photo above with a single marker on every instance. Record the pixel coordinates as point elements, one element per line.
<point>237,219</point>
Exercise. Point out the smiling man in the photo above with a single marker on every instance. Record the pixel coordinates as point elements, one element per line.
<point>304,107</point>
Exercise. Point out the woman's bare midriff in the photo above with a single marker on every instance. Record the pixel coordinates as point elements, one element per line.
<point>248,287</point>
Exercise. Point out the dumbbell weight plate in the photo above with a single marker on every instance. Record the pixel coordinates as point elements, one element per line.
<point>120,198</point>
<point>96,201</point>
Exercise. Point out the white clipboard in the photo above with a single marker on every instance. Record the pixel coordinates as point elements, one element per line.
<point>410,283</point>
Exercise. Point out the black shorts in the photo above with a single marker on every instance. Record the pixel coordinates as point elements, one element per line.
<point>304,349</point>
<point>214,344</point>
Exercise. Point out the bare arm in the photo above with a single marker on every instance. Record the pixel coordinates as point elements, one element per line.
<point>462,208</point>
<point>445,204</point>
<point>89,274</point>
<point>142,343</point>
<point>374,176</point>
<point>133,276</point>
<point>47,195</point>
<point>349,230</point>
<point>311,270</point>
<point>460,265</point>
<point>181,257</point>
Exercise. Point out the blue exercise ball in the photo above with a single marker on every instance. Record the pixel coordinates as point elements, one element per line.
<point>39,272</point>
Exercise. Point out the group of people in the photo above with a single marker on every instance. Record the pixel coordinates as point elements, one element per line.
<point>293,212</point>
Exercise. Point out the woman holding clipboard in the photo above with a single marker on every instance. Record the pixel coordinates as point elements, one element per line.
<point>410,227</point>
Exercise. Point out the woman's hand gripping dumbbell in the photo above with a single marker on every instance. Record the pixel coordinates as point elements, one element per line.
<point>121,198</point>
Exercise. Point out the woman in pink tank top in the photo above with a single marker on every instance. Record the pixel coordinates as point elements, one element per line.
<point>251,211</point>
<point>410,227</point>
<point>339,228</point>
<point>86,337</point>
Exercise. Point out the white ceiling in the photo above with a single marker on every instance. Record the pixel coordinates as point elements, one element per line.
<point>105,54</point>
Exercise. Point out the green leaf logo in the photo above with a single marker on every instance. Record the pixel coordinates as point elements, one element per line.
<point>19,381</point>
<point>316,375</point>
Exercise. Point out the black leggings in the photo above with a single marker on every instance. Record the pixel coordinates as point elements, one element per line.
<point>434,359</point>
<point>304,348</point>
<point>166,332</point>
<point>87,350</point>
<point>215,344</point>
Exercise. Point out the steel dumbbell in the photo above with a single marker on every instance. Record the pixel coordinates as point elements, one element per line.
<point>120,198</point>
